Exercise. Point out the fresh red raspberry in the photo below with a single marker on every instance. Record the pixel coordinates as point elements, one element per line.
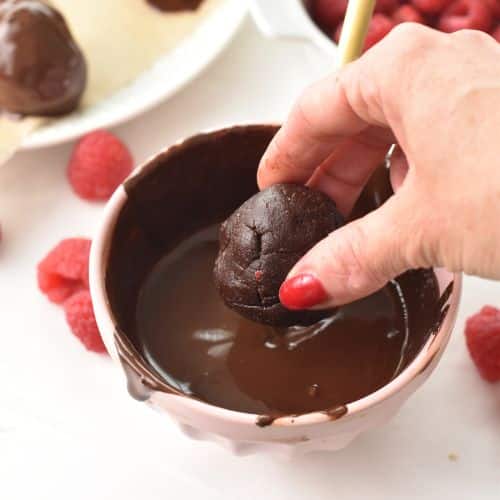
<point>99,164</point>
<point>380,26</point>
<point>337,32</point>
<point>327,13</point>
<point>496,33</point>
<point>466,14</point>
<point>81,319</point>
<point>495,8</point>
<point>386,6</point>
<point>430,6</point>
<point>482,333</point>
<point>65,269</point>
<point>407,14</point>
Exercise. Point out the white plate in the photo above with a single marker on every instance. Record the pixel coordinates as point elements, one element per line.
<point>289,19</point>
<point>165,78</point>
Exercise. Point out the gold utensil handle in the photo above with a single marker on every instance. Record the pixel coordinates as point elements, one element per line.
<point>357,19</point>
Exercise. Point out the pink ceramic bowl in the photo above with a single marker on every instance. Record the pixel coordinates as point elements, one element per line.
<point>238,431</point>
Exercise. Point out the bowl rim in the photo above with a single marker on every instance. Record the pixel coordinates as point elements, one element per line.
<point>97,270</point>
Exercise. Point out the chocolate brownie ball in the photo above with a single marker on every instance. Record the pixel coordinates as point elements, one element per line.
<point>42,70</point>
<point>261,242</point>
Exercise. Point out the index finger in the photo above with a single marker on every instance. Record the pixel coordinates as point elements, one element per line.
<point>327,114</point>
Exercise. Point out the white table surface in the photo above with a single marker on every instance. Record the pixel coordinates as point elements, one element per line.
<point>69,430</point>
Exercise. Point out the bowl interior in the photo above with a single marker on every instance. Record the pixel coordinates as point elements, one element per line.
<point>193,185</point>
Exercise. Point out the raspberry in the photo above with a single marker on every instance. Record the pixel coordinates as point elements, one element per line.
<point>81,320</point>
<point>328,13</point>
<point>430,6</point>
<point>337,32</point>
<point>494,7</point>
<point>99,164</point>
<point>482,333</point>
<point>380,25</point>
<point>496,33</point>
<point>386,6</point>
<point>407,14</point>
<point>65,269</point>
<point>466,14</point>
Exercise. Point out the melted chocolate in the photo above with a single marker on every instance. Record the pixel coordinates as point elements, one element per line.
<point>42,70</point>
<point>175,334</point>
<point>175,5</point>
<point>203,349</point>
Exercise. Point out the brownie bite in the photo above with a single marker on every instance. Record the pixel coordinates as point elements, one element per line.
<point>261,242</point>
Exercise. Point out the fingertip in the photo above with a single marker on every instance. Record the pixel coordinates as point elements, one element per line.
<point>262,174</point>
<point>355,260</point>
<point>267,170</point>
<point>302,291</point>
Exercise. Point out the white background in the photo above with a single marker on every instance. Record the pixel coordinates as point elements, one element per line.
<point>68,429</point>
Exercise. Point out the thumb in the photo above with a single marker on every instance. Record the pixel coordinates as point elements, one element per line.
<point>359,258</point>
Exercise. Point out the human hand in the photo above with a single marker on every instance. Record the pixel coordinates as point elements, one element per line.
<point>438,97</point>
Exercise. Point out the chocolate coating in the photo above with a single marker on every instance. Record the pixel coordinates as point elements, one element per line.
<point>42,70</point>
<point>260,243</point>
<point>175,5</point>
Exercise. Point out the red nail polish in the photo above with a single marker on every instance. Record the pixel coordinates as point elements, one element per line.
<point>302,292</point>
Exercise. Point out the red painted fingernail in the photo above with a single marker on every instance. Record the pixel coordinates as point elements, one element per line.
<point>302,292</point>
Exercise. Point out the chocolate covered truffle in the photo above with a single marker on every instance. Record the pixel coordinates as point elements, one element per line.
<point>261,242</point>
<point>42,70</point>
<point>175,5</point>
